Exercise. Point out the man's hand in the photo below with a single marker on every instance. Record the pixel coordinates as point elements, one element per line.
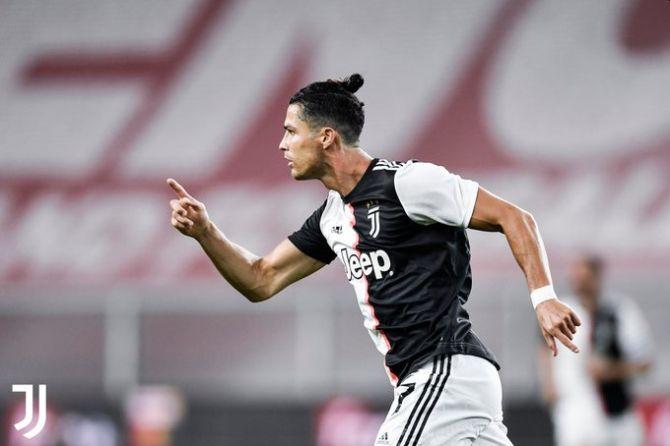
<point>557,321</point>
<point>189,216</point>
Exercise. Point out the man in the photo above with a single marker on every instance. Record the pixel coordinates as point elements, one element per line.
<point>400,231</point>
<point>590,394</point>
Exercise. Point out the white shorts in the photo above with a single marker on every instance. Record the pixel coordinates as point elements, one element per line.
<point>451,400</point>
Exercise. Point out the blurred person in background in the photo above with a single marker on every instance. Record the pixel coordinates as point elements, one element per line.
<point>16,412</point>
<point>399,228</point>
<point>87,429</point>
<point>152,415</point>
<point>590,395</point>
<point>346,421</point>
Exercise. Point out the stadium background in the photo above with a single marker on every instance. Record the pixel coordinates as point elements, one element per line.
<point>561,107</point>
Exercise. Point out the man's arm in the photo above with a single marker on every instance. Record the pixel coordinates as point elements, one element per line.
<point>491,213</point>
<point>257,278</point>
<point>608,370</point>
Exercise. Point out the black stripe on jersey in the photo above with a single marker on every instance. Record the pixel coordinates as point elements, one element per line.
<point>388,165</point>
<point>430,401</point>
<point>439,392</point>
<point>418,403</point>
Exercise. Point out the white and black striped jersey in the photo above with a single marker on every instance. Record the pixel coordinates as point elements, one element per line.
<point>616,330</point>
<point>401,236</point>
<point>620,333</point>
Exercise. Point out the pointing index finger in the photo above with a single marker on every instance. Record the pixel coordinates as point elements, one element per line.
<point>178,188</point>
<point>566,341</point>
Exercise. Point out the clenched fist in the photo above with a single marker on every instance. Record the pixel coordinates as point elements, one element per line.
<point>189,216</point>
<point>557,321</point>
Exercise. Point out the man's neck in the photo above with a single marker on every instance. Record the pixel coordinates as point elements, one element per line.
<point>345,169</point>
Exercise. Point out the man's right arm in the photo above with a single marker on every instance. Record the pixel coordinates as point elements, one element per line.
<point>257,278</point>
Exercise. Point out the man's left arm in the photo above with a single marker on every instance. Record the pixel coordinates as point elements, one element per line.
<point>492,213</point>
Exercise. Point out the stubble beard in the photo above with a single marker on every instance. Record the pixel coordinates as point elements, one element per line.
<point>313,172</point>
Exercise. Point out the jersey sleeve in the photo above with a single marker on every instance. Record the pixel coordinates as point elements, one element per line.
<point>310,240</point>
<point>431,194</point>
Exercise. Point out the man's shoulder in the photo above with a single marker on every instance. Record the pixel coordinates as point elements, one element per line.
<point>391,165</point>
<point>619,303</point>
<point>412,172</point>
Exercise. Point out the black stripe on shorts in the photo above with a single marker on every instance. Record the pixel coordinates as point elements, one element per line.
<point>437,397</point>
<point>423,400</point>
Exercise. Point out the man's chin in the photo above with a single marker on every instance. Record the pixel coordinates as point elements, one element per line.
<point>299,175</point>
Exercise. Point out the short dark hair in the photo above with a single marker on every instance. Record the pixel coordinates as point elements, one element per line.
<point>594,262</point>
<point>333,103</point>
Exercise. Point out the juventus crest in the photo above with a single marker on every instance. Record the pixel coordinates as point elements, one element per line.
<point>373,216</point>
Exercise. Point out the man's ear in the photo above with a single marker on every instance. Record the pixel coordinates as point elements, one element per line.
<point>327,137</point>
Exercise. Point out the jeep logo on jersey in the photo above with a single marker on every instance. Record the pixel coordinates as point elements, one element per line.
<point>373,216</point>
<point>374,262</point>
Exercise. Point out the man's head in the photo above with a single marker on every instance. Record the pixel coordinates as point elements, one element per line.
<point>321,117</point>
<point>586,277</point>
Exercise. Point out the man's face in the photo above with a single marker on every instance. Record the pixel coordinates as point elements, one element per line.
<point>585,280</point>
<point>301,146</point>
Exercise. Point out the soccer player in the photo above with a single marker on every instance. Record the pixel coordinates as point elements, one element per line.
<point>399,228</point>
<point>589,394</point>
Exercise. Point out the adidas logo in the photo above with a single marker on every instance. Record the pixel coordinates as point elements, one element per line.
<point>383,439</point>
<point>336,229</point>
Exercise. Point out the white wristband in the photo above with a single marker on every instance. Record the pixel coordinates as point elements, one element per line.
<point>541,294</point>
